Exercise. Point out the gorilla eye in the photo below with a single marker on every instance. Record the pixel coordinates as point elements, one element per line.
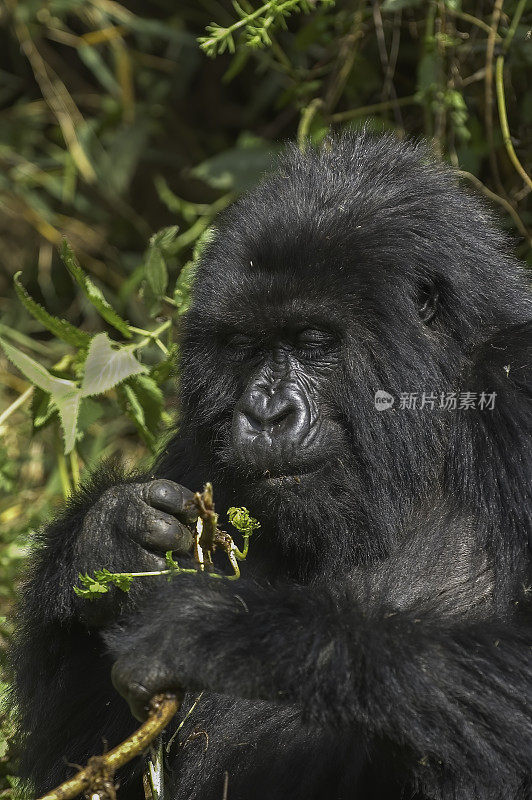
<point>239,340</point>
<point>312,338</point>
<point>240,346</point>
<point>427,302</point>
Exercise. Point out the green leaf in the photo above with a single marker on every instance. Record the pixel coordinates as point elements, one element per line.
<point>170,562</point>
<point>241,519</point>
<point>239,168</point>
<point>134,410</point>
<point>59,327</point>
<point>150,398</point>
<point>35,372</point>
<point>42,408</point>
<point>156,272</point>
<point>203,242</point>
<point>99,584</point>
<point>90,411</point>
<point>107,365</point>
<point>166,368</point>
<point>68,407</point>
<point>65,394</point>
<point>91,587</point>
<point>92,292</point>
<point>123,581</point>
<point>183,287</point>
<point>165,237</point>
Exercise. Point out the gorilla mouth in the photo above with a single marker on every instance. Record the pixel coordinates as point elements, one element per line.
<point>288,474</point>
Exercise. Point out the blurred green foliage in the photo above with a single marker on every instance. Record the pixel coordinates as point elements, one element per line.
<point>127,127</point>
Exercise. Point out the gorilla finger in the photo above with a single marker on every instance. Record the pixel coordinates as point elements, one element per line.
<point>136,694</point>
<point>161,532</point>
<point>172,498</point>
<point>139,701</point>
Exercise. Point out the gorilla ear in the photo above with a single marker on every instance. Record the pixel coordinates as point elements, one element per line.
<point>427,301</point>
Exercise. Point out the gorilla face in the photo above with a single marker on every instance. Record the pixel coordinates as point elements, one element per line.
<point>278,425</point>
<point>294,365</point>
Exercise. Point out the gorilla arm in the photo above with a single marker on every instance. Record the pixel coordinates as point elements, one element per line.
<point>66,702</point>
<point>451,690</point>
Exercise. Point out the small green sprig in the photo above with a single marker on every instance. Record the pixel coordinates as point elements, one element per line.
<point>94,585</point>
<point>255,26</point>
<point>241,519</point>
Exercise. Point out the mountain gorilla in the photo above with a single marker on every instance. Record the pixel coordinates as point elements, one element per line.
<point>379,643</point>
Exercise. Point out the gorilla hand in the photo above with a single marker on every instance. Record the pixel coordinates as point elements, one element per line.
<point>153,515</point>
<point>140,679</point>
<point>129,529</point>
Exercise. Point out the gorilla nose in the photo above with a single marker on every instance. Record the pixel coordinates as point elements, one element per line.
<point>270,425</point>
<point>269,414</point>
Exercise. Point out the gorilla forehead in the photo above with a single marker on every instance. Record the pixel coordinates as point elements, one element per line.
<point>358,224</point>
<point>359,207</point>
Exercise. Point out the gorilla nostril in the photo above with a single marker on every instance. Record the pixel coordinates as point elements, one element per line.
<point>268,419</point>
<point>254,422</point>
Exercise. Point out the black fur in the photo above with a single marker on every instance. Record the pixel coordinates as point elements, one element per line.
<point>379,643</point>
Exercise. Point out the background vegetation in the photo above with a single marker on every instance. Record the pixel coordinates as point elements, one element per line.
<point>126,127</point>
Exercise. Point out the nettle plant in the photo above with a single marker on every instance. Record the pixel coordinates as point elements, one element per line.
<point>100,365</point>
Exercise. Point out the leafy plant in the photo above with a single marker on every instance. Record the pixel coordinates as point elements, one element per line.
<point>99,364</point>
<point>239,518</point>
<point>254,26</point>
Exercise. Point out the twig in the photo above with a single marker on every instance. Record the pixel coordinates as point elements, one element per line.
<point>187,715</point>
<point>499,82</point>
<point>101,769</point>
<point>385,63</point>
<point>226,785</point>
<point>16,404</point>
<point>346,59</point>
<point>507,139</point>
<point>306,120</point>
<point>488,93</point>
<point>496,198</point>
<point>361,111</point>
<point>394,54</point>
<point>471,19</point>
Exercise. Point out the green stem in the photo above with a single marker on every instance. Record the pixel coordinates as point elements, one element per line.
<point>361,111</point>
<point>306,120</point>
<point>471,19</point>
<point>242,554</point>
<point>63,470</point>
<point>21,399</point>
<point>515,22</point>
<point>506,136</point>
<point>74,468</point>
<point>227,32</point>
<point>151,335</point>
<point>501,102</point>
